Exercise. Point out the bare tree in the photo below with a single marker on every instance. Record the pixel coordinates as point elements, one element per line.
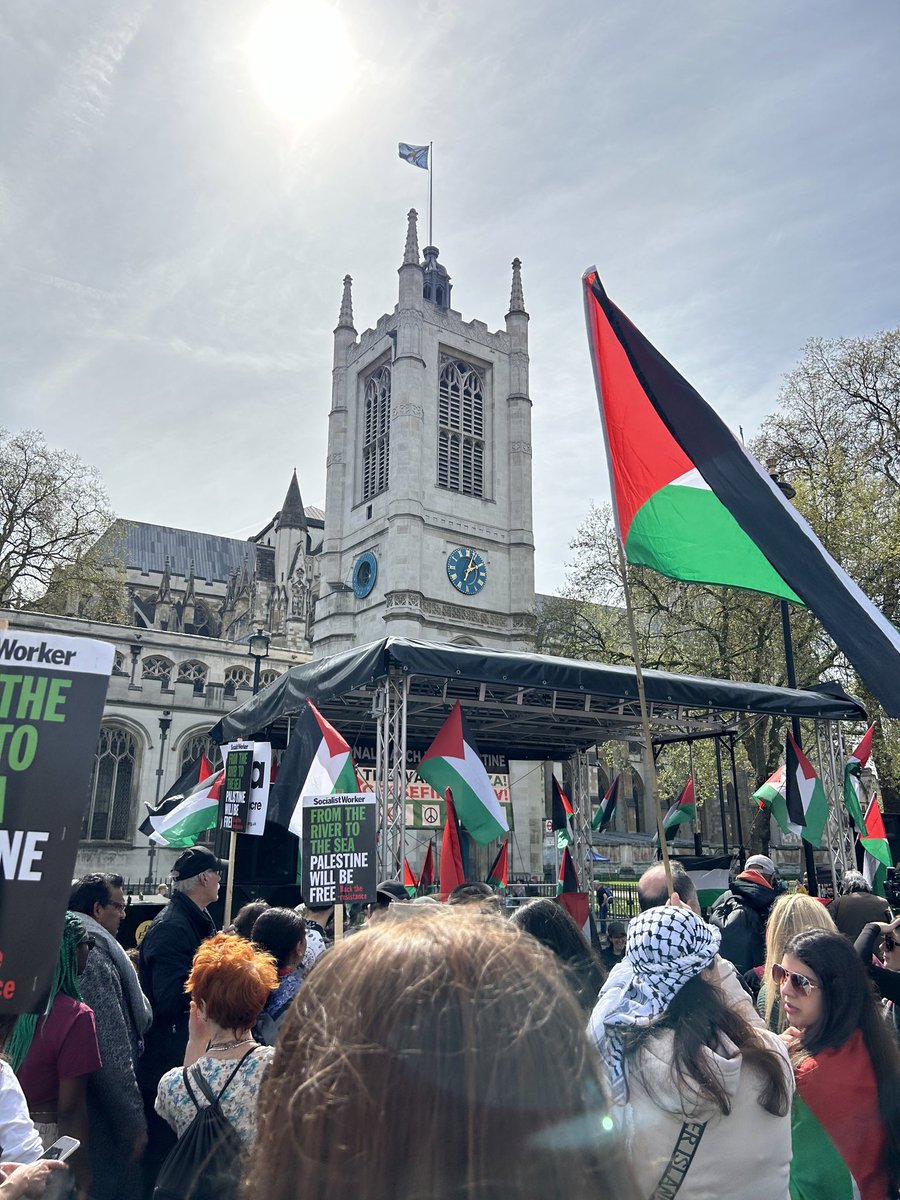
<point>53,509</point>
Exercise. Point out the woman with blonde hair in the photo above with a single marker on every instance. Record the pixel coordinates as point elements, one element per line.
<point>791,914</point>
<point>441,1055</point>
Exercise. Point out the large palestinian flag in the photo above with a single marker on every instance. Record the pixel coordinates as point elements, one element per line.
<point>852,786</point>
<point>692,503</point>
<point>451,761</point>
<point>836,1129</point>
<point>877,857</point>
<point>188,810</point>
<point>709,874</point>
<point>317,762</point>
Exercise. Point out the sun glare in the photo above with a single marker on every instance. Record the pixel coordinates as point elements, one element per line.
<point>300,58</point>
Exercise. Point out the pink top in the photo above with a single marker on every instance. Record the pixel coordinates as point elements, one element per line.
<point>64,1047</point>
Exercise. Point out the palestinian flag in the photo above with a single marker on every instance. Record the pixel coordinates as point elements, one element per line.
<point>426,875</point>
<point>317,762</point>
<point>852,771</point>
<point>683,810</point>
<point>561,816</point>
<point>181,819</point>
<point>195,772</point>
<point>804,797</point>
<point>877,849</point>
<point>568,892</point>
<point>692,503</point>
<point>836,1129</point>
<point>409,879</point>
<point>452,761</point>
<point>498,875</point>
<point>452,873</point>
<point>607,807</point>
<point>709,874</point>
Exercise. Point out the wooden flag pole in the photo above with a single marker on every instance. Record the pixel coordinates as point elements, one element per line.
<point>229,886</point>
<point>649,763</point>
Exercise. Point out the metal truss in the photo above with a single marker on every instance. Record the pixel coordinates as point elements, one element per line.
<point>579,772</point>
<point>389,707</point>
<point>839,838</point>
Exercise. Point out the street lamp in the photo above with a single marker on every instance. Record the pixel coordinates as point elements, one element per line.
<point>135,649</point>
<point>165,724</point>
<point>258,646</point>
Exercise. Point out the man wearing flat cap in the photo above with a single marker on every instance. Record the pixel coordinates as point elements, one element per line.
<point>166,955</point>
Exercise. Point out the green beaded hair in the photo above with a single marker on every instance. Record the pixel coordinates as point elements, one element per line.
<point>65,980</point>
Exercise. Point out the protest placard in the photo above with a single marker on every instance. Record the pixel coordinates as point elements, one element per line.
<point>52,691</point>
<point>339,849</point>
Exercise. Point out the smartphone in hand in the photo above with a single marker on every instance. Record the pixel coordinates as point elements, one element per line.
<point>62,1148</point>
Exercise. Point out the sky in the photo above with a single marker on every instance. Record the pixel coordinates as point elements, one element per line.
<point>184,184</point>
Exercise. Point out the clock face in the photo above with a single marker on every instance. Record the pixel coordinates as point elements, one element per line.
<point>466,570</point>
<point>365,572</point>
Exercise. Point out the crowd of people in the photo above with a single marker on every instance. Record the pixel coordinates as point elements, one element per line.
<point>449,1051</point>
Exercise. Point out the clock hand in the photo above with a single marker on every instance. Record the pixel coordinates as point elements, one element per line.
<point>470,567</point>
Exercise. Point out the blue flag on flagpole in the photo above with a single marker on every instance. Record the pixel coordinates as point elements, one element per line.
<point>417,155</point>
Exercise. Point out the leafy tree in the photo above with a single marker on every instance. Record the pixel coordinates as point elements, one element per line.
<point>53,510</point>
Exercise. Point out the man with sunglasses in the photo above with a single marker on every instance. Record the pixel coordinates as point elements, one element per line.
<point>122,1014</point>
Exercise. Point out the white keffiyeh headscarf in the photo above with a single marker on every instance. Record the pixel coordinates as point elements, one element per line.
<point>666,947</point>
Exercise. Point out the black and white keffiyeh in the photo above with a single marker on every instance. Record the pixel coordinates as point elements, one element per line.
<point>666,947</point>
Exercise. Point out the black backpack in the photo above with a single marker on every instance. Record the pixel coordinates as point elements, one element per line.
<point>205,1163</point>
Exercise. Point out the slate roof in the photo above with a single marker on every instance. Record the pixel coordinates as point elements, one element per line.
<point>145,548</point>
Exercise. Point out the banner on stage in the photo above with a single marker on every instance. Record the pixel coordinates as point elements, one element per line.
<point>52,691</point>
<point>339,833</point>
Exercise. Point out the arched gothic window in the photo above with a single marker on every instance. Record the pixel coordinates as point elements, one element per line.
<point>199,743</point>
<point>461,428</point>
<point>236,677</point>
<point>119,667</point>
<point>267,677</point>
<point>204,624</point>
<point>157,667</point>
<point>377,433</point>
<point>194,672</point>
<point>113,786</point>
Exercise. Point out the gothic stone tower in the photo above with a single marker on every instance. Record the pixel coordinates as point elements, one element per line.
<point>428,526</point>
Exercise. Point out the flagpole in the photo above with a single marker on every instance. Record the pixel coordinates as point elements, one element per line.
<point>649,764</point>
<point>229,886</point>
<point>430,192</point>
<point>809,859</point>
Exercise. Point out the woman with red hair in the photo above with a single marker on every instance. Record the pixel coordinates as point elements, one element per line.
<point>229,985</point>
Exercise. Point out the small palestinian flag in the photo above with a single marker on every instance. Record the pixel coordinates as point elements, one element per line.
<point>877,849</point>
<point>852,771</point>
<point>561,817</point>
<point>452,873</point>
<point>317,762</point>
<point>409,879</point>
<point>692,503</point>
<point>683,810</point>
<point>568,892</point>
<point>498,875</point>
<point>709,875</point>
<point>451,761</point>
<point>181,818</point>
<point>607,807</point>
<point>804,797</point>
<point>426,875</point>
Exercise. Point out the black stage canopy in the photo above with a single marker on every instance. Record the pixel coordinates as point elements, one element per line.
<point>522,705</point>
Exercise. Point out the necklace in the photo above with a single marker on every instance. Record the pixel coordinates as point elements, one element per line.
<point>228,1045</point>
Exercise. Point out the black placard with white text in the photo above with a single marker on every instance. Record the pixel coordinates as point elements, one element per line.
<point>52,691</point>
<point>339,849</point>
<point>236,793</point>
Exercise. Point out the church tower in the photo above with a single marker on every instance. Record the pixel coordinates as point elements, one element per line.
<point>428,522</point>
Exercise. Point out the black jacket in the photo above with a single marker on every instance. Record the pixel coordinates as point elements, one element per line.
<point>741,913</point>
<point>167,953</point>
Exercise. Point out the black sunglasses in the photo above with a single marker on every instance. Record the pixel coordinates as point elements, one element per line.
<point>890,942</point>
<point>798,982</point>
